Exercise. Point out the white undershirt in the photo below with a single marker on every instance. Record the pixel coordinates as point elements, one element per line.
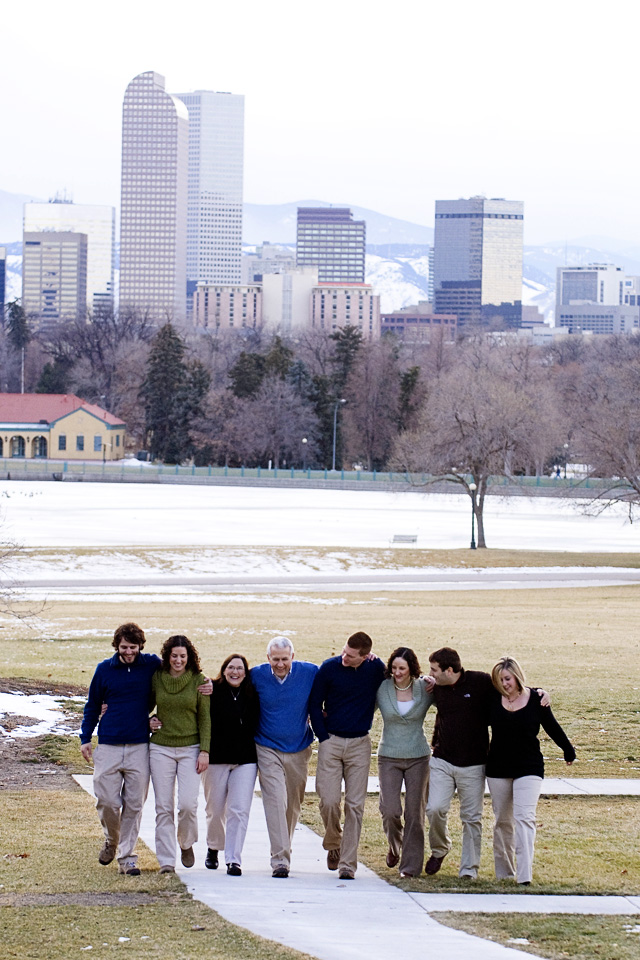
<point>404,706</point>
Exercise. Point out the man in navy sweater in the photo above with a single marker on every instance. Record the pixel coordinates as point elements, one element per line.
<point>122,684</point>
<point>341,705</point>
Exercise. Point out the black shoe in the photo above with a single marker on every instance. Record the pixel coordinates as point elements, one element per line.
<point>433,864</point>
<point>211,862</point>
<point>280,873</point>
<point>233,869</point>
<point>346,875</point>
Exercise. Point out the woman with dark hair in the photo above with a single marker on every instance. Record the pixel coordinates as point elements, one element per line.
<point>231,776</point>
<point>403,756</point>
<point>515,767</point>
<point>179,749</point>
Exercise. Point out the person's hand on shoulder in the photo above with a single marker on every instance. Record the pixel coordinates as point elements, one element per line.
<point>206,688</point>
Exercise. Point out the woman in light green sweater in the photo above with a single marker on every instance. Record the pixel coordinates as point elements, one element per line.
<point>403,756</point>
<point>179,749</point>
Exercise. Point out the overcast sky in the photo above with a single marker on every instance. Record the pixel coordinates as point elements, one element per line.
<point>386,106</point>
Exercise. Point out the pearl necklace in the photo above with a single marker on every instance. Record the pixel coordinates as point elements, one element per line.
<point>403,689</point>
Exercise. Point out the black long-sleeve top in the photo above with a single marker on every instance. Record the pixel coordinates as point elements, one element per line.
<point>461,734</point>
<point>515,748</point>
<point>234,719</point>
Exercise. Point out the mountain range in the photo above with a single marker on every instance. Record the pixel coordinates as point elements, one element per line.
<point>397,251</point>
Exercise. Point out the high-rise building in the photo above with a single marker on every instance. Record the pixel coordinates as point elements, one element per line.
<point>216,158</point>
<point>477,260</point>
<point>153,214</point>
<point>331,240</point>
<point>597,298</point>
<point>336,305</point>
<point>54,277</point>
<point>99,224</point>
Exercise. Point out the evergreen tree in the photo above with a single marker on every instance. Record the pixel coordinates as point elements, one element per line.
<point>18,333</point>
<point>173,391</point>
<point>54,377</point>
<point>247,374</point>
<point>347,344</point>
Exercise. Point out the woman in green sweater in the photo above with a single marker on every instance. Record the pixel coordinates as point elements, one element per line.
<point>403,755</point>
<point>179,749</point>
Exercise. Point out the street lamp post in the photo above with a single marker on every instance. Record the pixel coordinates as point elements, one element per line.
<point>304,442</point>
<point>566,454</point>
<point>335,429</point>
<point>473,487</point>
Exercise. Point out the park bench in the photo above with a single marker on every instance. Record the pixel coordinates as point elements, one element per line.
<point>405,538</point>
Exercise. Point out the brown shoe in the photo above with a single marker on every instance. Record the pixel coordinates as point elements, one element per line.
<point>346,875</point>
<point>333,859</point>
<point>392,858</point>
<point>187,856</point>
<point>107,853</point>
<point>433,864</point>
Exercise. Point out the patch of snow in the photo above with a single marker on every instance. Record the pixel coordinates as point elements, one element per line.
<point>45,709</point>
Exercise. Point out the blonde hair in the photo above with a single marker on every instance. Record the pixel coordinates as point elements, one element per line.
<point>514,668</point>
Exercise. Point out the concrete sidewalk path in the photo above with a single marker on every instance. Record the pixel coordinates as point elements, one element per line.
<point>560,786</point>
<point>318,914</point>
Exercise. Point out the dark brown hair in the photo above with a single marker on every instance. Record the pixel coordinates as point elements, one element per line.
<point>130,632</point>
<point>193,660</point>
<point>246,686</point>
<point>404,653</point>
<point>446,657</point>
<point>361,642</point>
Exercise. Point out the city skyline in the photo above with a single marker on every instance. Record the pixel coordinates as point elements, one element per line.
<point>396,128</point>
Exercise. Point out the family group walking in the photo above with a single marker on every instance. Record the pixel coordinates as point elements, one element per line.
<point>161,718</point>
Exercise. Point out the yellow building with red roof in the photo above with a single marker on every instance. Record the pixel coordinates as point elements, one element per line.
<point>58,426</point>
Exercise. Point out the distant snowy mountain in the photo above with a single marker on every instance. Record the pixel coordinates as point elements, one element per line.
<point>277,223</point>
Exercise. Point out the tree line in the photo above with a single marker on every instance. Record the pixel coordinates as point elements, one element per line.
<point>486,405</point>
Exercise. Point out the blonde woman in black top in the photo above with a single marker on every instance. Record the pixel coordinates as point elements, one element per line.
<point>515,767</point>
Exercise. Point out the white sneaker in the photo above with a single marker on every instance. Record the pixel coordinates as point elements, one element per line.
<point>130,867</point>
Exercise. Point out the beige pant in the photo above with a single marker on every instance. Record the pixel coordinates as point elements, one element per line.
<point>283,779</point>
<point>514,832</point>
<point>444,780</point>
<point>228,792</point>
<point>349,760</point>
<point>408,840</point>
<point>168,766</point>
<point>121,783</point>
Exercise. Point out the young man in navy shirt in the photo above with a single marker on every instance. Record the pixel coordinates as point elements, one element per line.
<point>341,705</point>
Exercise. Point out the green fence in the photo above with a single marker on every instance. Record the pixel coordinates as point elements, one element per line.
<point>123,470</point>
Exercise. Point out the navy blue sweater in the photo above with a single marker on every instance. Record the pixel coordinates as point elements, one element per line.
<point>126,689</point>
<point>343,699</point>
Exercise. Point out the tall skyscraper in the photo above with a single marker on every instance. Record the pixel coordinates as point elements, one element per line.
<point>216,159</point>
<point>477,261</point>
<point>331,240</point>
<point>99,225</point>
<point>153,213</point>
<point>54,277</point>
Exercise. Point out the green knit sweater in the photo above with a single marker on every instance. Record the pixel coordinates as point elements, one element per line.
<point>183,712</point>
<point>403,736</point>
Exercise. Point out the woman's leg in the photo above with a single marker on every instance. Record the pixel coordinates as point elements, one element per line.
<point>390,775</point>
<point>526,791</point>
<point>501,790</point>
<point>416,778</point>
<point>215,781</point>
<point>163,763</point>
<point>241,785</point>
<point>188,789</point>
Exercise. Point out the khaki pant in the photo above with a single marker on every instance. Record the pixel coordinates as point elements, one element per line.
<point>283,779</point>
<point>444,780</point>
<point>349,760</point>
<point>514,832</point>
<point>408,841</point>
<point>228,792</point>
<point>121,784</point>
<point>168,766</point>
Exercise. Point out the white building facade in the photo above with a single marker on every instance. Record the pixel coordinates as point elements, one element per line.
<point>98,222</point>
<point>216,163</point>
<point>153,227</point>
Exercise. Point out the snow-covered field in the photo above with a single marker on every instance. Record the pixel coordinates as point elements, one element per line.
<point>112,515</point>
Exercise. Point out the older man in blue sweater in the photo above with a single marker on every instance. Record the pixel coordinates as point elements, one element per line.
<point>283,743</point>
<point>342,704</point>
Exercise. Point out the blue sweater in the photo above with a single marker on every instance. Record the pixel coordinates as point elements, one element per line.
<point>284,707</point>
<point>126,689</point>
<point>343,699</point>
